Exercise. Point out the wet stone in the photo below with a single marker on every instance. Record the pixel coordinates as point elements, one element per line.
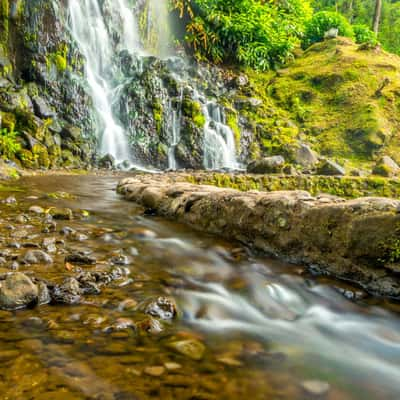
<point>69,292</point>
<point>315,388</point>
<point>162,307</point>
<point>81,258</point>
<point>191,348</point>
<point>37,210</point>
<point>61,213</point>
<point>154,371</point>
<point>36,257</point>
<point>17,291</point>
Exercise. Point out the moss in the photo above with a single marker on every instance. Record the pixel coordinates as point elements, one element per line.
<point>347,187</point>
<point>8,121</point>
<point>59,58</point>
<point>158,116</point>
<point>192,110</point>
<point>232,122</point>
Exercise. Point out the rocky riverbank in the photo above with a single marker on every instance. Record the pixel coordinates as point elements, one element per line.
<point>356,240</point>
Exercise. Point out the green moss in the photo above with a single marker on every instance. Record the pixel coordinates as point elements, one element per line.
<point>158,116</point>
<point>59,58</point>
<point>232,122</point>
<point>192,110</point>
<point>347,187</point>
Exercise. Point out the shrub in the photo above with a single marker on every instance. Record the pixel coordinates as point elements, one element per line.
<point>253,33</point>
<point>364,35</point>
<point>322,22</point>
<point>9,146</point>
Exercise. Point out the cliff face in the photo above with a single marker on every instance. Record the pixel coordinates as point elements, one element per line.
<point>42,96</point>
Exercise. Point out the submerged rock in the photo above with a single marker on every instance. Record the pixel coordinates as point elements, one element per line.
<point>80,258</point>
<point>162,307</point>
<point>17,291</point>
<point>191,348</point>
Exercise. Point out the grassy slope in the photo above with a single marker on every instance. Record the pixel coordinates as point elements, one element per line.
<point>327,98</point>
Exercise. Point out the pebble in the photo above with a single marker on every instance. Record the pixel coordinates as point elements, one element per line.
<point>191,348</point>
<point>37,210</point>
<point>154,371</point>
<point>315,387</point>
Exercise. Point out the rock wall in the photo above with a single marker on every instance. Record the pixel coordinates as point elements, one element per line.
<point>356,240</point>
<point>42,95</point>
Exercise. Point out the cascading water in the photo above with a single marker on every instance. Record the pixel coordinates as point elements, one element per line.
<point>118,67</point>
<point>174,126</point>
<point>91,24</point>
<point>219,141</point>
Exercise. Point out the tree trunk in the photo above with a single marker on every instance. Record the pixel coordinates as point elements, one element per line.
<point>377,15</point>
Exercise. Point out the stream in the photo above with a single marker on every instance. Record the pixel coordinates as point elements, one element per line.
<point>246,326</point>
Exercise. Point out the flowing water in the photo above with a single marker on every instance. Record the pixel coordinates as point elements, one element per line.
<point>101,31</point>
<point>267,328</point>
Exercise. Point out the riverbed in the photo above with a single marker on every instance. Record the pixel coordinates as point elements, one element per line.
<point>189,316</point>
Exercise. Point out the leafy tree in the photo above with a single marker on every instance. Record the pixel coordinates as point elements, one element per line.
<point>322,22</point>
<point>256,33</point>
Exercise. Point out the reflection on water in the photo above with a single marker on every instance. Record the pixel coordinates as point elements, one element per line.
<point>268,328</point>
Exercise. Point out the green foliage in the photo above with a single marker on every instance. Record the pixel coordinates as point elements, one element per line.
<point>363,34</point>
<point>9,145</point>
<point>322,22</point>
<point>253,33</point>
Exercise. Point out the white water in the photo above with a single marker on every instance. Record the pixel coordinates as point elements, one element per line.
<point>91,30</point>
<point>174,126</point>
<point>219,140</point>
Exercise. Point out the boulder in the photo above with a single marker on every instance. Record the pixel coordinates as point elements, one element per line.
<point>305,156</point>
<point>17,291</point>
<point>386,167</point>
<point>107,162</point>
<point>267,165</point>
<point>330,168</point>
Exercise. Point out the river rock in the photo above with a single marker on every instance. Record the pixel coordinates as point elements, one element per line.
<point>191,348</point>
<point>267,165</point>
<point>61,213</point>
<point>37,210</point>
<point>315,388</point>
<point>107,162</point>
<point>36,257</point>
<point>162,307</point>
<point>81,258</point>
<point>69,292</point>
<point>17,291</point>
<point>386,167</point>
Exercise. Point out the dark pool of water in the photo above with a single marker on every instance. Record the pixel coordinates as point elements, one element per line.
<point>268,328</point>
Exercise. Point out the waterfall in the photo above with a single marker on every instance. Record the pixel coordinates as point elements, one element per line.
<point>174,126</point>
<point>101,30</point>
<point>219,140</point>
<point>107,32</point>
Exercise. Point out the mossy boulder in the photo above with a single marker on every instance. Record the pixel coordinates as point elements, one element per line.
<point>386,167</point>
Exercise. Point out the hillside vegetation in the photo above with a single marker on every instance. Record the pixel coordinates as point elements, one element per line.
<point>341,98</point>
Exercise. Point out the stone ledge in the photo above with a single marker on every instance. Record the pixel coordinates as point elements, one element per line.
<point>356,240</point>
